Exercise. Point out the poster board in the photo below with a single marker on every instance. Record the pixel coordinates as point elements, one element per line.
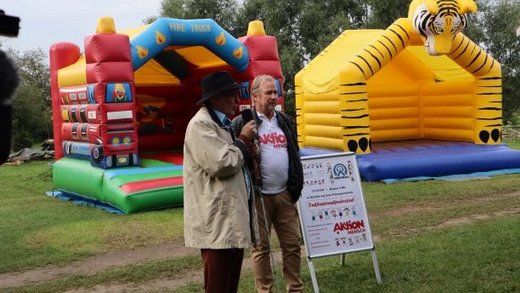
<point>332,208</point>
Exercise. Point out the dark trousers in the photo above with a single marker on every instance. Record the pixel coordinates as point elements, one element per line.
<point>222,269</point>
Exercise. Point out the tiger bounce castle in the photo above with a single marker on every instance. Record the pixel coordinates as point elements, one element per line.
<point>120,108</point>
<point>418,99</point>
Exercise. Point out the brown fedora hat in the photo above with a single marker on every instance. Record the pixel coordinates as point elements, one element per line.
<point>216,83</point>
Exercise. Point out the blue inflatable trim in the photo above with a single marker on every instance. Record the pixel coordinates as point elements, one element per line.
<point>428,158</point>
<point>81,200</point>
<point>457,177</point>
<point>188,32</point>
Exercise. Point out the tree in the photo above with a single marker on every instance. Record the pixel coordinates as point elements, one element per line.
<point>32,114</point>
<point>279,18</point>
<point>322,22</point>
<point>302,28</point>
<point>384,12</point>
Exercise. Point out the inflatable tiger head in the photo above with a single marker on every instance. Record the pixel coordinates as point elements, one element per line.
<point>438,21</point>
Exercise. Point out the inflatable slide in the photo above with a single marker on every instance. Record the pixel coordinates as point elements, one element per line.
<point>417,99</point>
<point>120,108</point>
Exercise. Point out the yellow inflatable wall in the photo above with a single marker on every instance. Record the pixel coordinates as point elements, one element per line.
<point>372,86</point>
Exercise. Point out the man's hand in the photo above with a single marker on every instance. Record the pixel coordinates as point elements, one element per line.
<point>249,130</point>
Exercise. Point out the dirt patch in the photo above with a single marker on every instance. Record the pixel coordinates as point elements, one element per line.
<point>99,263</point>
<point>166,284</point>
<point>438,206</point>
<point>474,218</point>
<point>95,264</point>
<point>152,286</point>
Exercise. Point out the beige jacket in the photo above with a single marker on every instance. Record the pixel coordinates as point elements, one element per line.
<point>217,213</point>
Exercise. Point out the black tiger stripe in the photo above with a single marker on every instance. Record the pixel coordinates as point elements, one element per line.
<point>491,86</point>
<point>418,25</point>
<point>377,51</point>
<point>366,62</point>
<point>463,51</point>
<point>474,59</point>
<point>359,67</point>
<point>391,43</point>
<point>491,78</point>
<point>494,125</point>
<point>424,23</point>
<point>399,36</point>
<point>377,60</point>
<point>447,10</point>
<point>355,117</point>
<point>447,5</point>
<point>490,108</point>
<point>352,110</point>
<point>460,44</point>
<point>355,134</point>
<point>355,127</point>
<point>473,50</point>
<point>492,64</point>
<point>489,119</point>
<point>352,93</point>
<point>405,32</point>
<point>359,100</point>
<point>488,94</point>
<point>483,64</point>
<point>451,3</point>
<point>353,84</point>
<point>389,52</point>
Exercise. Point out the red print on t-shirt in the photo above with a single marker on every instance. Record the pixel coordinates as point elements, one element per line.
<point>275,139</point>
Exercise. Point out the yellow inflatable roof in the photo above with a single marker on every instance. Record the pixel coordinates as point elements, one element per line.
<point>322,73</point>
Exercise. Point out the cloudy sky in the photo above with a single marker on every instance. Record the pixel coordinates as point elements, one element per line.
<point>44,23</point>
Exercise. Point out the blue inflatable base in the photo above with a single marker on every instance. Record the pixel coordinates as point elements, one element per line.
<point>429,158</point>
<point>81,200</point>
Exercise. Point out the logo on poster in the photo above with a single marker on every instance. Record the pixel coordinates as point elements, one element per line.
<point>351,227</point>
<point>340,171</point>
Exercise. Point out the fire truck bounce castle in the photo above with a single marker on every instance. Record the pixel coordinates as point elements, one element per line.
<point>121,108</point>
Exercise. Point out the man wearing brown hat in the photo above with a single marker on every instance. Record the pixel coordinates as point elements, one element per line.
<point>219,213</point>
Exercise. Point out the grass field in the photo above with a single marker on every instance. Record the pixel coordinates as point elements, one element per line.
<point>430,236</point>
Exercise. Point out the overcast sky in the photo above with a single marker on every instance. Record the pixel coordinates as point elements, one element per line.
<point>44,23</point>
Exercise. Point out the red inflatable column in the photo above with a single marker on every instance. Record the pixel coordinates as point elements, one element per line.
<point>263,59</point>
<point>111,87</point>
<point>61,55</point>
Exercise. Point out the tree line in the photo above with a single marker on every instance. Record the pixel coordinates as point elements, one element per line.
<point>303,29</point>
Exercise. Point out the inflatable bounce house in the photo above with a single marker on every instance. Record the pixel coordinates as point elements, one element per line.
<point>407,111</point>
<point>120,109</point>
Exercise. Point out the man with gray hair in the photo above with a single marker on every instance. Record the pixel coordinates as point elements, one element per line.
<point>280,180</point>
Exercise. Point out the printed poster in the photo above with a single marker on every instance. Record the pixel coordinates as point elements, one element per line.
<point>332,209</point>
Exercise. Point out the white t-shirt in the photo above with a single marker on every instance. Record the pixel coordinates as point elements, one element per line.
<point>273,155</point>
